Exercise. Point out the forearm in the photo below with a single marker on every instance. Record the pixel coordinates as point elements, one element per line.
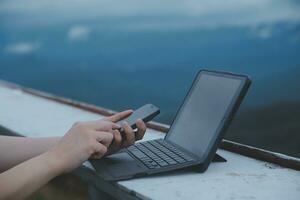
<point>25,178</point>
<point>14,150</point>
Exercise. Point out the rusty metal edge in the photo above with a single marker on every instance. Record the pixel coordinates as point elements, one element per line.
<point>261,154</point>
<point>77,104</point>
<point>249,151</point>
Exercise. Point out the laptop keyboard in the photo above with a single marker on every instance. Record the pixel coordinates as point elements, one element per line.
<point>158,153</point>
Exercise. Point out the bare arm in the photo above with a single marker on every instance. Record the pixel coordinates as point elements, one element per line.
<point>27,177</point>
<point>82,141</point>
<point>15,150</point>
<point>78,144</point>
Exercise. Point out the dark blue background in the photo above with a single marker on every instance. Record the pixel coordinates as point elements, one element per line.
<point>121,68</point>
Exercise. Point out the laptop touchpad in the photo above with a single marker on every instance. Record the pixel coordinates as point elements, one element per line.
<point>118,158</point>
<point>121,164</point>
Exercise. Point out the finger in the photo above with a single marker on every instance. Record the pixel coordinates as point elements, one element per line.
<point>129,135</point>
<point>100,151</point>
<point>117,139</point>
<point>141,129</point>
<point>103,125</point>
<point>116,143</point>
<point>104,138</point>
<point>119,116</point>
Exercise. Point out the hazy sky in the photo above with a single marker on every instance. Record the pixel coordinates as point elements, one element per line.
<point>144,14</point>
<point>83,17</point>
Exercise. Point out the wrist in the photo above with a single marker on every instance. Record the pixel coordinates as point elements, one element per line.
<point>54,162</point>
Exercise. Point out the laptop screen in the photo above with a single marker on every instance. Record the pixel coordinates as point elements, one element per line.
<point>196,125</point>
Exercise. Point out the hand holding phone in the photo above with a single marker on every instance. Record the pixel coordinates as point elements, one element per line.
<point>145,113</point>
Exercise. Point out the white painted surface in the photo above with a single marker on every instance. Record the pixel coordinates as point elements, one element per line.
<point>33,116</point>
<point>240,178</point>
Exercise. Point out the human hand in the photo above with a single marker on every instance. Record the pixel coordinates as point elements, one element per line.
<point>94,139</point>
<point>130,136</point>
<point>82,141</point>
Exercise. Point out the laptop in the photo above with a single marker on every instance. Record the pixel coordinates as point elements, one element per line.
<point>194,135</point>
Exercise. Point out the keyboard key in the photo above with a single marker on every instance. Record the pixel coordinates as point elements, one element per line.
<point>181,160</point>
<point>163,163</point>
<point>171,161</point>
<point>138,154</point>
<point>158,153</point>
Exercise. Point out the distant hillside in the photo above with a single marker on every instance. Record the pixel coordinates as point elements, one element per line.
<point>276,87</point>
<point>275,127</point>
<point>121,69</point>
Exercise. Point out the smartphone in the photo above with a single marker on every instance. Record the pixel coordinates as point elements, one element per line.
<point>145,113</point>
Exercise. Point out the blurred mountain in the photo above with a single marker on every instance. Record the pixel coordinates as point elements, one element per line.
<point>118,69</point>
<point>283,86</point>
<point>274,127</point>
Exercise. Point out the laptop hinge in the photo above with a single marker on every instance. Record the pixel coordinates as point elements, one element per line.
<point>202,168</point>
